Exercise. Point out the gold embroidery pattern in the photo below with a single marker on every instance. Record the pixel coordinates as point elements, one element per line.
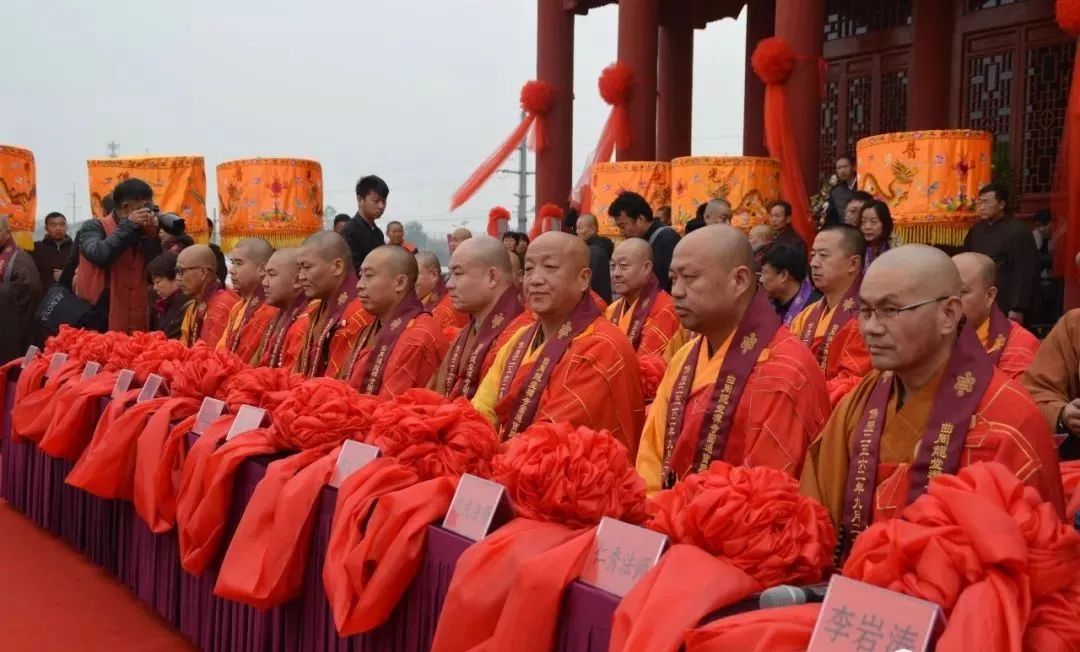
<point>998,343</point>
<point>497,320</point>
<point>564,331</point>
<point>849,304</point>
<point>965,384</point>
<point>748,343</point>
<point>342,298</point>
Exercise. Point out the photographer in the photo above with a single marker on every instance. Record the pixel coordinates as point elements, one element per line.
<point>111,258</point>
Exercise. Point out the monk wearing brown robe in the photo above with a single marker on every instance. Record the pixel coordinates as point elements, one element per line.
<point>1010,346</point>
<point>281,344</point>
<point>933,403</point>
<point>20,291</point>
<point>481,285</point>
<point>572,364</point>
<point>643,311</point>
<point>745,390</point>
<point>828,326</point>
<point>326,274</point>
<point>209,303</point>
<point>433,293</point>
<point>403,347</point>
<point>250,319</point>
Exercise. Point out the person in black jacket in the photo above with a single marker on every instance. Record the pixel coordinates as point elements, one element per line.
<point>1009,242</point>
<point>361,232</point>
<point>52,252</point>
<point>634,217</point>
<point>219,255</point>
<point>167,311</point>
<point>600,250</point>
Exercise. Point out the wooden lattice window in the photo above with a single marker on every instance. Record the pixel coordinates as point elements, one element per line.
<point>859,98</point>
<point>894,92</point>
<point>989,94</point>
<point>1046,94</point>
<point>977,5</point>
<point>844,18</point>
<point>830,113</point>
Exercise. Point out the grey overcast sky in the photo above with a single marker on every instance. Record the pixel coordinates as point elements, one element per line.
<point>417,91</point>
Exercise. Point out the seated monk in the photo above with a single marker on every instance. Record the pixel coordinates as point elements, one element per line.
<point>206,315</point>
<point>572,364</point>
<point>1010,346</point>
<point>933,404</point>
<point>402,348</point>
<point>327,276</point>
<point>746,390</point>
<point>249,320</point>
<point>643,311</point>
<point>281,344</point>
<point>481,285</point>
<point>431,288</point>
<point>828,326</point>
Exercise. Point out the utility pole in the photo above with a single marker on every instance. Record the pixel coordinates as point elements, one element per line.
<point>74,203</point>
<point>112,146</point>
<point>523,184</point>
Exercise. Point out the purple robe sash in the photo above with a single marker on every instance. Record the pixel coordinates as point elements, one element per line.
<point>275,335</point>
<point>316,351</point>
<point>844,313</point>
<point>505,310</point>
<point>641,311</point>
<point>754,332</point>
<point>528,400</point>
<point>967,377</point>
<point>233,339</point>
<point>200,308</point>
<point>873,251</point>
<point>798,302</point>
<point>385,341</point>
<point>999,334</point>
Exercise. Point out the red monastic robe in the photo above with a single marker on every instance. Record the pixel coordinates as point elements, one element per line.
<point>207,318</point>
<point>317,359</point>
<point>847,360</point>
<point>444,313</point>
<point>1018,348</point>
<point>411,362</point>
<point>282,350</point>
<point>662,333</point>
<point>247,326</point>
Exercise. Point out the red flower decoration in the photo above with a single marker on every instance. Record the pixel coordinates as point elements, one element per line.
<point>322,411</point>
<point>495,215</point>
<point>153,357</point>
<point>652,368</point>
<point>615,83</point>
<point>261,387</point>
<point>773,60</point>
<point>536,97</point>
<point>203,373</point>
<point>753,517</point>
<point>1068,16</point>
<point>554,472</point>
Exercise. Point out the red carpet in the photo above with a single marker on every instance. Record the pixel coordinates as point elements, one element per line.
<point>52,598</point>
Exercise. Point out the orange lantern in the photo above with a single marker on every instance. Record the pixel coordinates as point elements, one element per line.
<point>748,183</point>
<point>18,193</point>
<point>930,180</point>
<point>650,179</point>
<point>277,199</point>
<point>179,184</point>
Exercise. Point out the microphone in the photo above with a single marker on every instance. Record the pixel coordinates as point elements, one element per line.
<point>786,595</point>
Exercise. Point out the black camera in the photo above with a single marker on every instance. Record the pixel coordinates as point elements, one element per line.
<point>170,223</point>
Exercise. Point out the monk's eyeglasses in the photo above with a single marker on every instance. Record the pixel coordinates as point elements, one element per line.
<point>889,313</point>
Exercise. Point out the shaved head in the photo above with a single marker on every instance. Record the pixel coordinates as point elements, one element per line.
<point>631,268</point>
<point>427,260</point>
<point>249,258</point>
<point>557,276</point>
<point>976,267</point>
<point>328,245</point>
<point>717,211</point>
<point>324,261</point>
<point>480,273</point>
<point>636,248</point>
<point>199,268</point>
<point>978,275</point>
<point>586,226</point>
<point>387,276</point>
<point>197,255</point>
<point>911,312</point>
<point>484,251</point>
<point>279,281</point>
<point>256,249</point>
<point>429,273</point>
<point>713,280</point>
<point>458,236</point>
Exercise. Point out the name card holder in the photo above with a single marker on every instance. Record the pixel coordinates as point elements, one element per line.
<point>861,616</point>
<point>479,506</point>
<point>210,410</point>
<point>622,554</point>
<point>31,353</point>
<point>248,418</point>
<point>91,369</point>
<point>150,389</point>
<point>123,382</point>
<point>353,457</point>
<point>55,362</point>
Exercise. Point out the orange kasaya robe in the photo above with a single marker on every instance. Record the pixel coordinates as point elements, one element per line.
<point>439,380</point>
<point>596,383</point>
<point>248,324</point>
<point>281,347</point>
<point>207,318</point>
<point>444,313</point>
<point>1018,348</point>
<point>326,352</point>
<point>781,411</point>
<point>387,368</point>
<point>847,360</point>
<point>1006,427</point>
<point>661,334</point>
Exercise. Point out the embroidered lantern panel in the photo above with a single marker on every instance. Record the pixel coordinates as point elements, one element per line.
<point>18,193</point>
<point>650,179</point>
<point>277,199</point>
<point>929,179</point>
<point>748,183</point>
<point>179,184</point>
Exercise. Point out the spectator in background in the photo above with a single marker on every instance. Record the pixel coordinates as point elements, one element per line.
<point>665,215</point>
<point>168,307</point>
<point>600,249</point>
<point>1048,298</point>
<point>853,210</point>
<point>842,191</point>
<point>1011,245</point>
<point>761,238</point>
<point>52,253</point>
<point>699,219</point>
<point>877,228</point>
<point>783,277</point>
<point>634,217</point>
<point>219,256</point>
<point>340,220</point>
<point>510,240</point>
<point>522,243</point>
<point>361,232</point>
<point>780,221</point>
<point>20,292</point>
<point>395,235</point>
<point>176,243</point>
<point>718,211</point>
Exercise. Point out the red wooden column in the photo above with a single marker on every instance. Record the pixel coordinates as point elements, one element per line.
<point>555,65</point>
<point>639,22</point>
<point>928,82</point>
<point>760,24</point>
<point>802,24</point>
<point>675,83</point>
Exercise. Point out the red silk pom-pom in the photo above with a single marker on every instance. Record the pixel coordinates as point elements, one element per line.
<point>498,213</point>
<point>261,387</point>
<point>1068,16</point>
<point>322,411</point>
<point>652,372</point>
<point>204,372</point>
<point>536,97</point>
<point>615,83</point>
<point>551,211</point>
<point>773,60</point>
